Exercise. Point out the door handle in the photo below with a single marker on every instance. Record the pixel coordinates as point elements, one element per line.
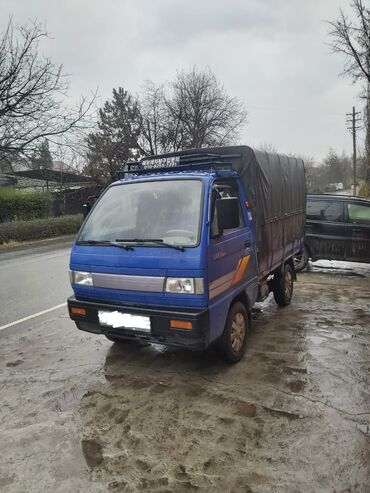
<point>247,244</point>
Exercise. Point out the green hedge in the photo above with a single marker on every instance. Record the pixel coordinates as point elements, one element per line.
<point>365,191</point>
<point>39,228</point>
<point>17,205</point>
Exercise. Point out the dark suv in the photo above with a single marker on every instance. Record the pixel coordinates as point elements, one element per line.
<point>337,228</point>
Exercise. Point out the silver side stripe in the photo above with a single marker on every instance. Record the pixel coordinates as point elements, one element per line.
<point>220,284</point>
<point>221,280</point>
<point>129,283</point>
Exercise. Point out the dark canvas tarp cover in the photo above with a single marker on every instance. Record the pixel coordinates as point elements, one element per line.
<point>275,187</point>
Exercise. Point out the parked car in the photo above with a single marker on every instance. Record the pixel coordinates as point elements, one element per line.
<point>337,228</point>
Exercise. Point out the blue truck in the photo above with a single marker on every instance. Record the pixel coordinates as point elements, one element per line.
<point>178,249</point>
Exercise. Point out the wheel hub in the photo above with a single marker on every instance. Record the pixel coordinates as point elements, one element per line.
<point>288,284</point>
<point>237,332</point>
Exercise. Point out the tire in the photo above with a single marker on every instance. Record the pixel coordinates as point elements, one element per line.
<point>233,341</point>
<point>301,260</point>
<point>283,286</point>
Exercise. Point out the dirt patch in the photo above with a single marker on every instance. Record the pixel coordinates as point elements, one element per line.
<point>93,452</point>
<point>17,362</point>
<point>245,409</point>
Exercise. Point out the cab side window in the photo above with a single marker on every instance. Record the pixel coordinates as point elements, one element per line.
<point>325,210</point>
<point>223,192</point>
<point>359,214</point>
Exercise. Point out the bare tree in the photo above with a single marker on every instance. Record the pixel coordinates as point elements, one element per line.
<point>162,128</point>
<point>352,39</point>
<point>33,94</point>
<point>193,111</point>
<point>268,147</point>
<point>155,121</point>
<point>206,114</point>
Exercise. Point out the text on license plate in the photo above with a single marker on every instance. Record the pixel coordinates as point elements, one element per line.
<point>118,319</point>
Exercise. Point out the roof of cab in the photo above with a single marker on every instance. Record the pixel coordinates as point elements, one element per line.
<point>176,174</point>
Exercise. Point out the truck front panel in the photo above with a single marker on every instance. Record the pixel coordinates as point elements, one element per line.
<point>152,266</point>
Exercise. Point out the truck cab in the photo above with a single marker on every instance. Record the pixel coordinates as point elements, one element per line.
<point>168,255</point>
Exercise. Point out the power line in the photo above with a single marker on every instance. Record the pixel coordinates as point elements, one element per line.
<point>299,110</point>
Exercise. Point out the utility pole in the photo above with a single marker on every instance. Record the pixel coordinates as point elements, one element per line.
<point>352,119</point>
<point>367,126</point>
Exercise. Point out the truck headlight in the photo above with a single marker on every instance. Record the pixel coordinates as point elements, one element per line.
<point>78,277</point>
<point>185,285</point>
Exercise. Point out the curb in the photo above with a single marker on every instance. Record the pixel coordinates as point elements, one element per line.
<point>67,239</point>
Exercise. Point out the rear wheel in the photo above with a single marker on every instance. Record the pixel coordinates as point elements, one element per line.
<point>301,260</point>
<point>233,341</point>
<point>283,286</point>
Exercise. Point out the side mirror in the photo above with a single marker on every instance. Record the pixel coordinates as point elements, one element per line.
<point>86,208</point>
<point>227,213</point>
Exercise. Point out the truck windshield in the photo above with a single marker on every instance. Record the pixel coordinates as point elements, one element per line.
<point>168,210</point>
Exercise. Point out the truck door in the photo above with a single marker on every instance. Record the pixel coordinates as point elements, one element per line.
<point>231,259</point>
<point>358,220</point>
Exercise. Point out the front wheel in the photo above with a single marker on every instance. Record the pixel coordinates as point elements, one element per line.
<point>233,341</point>
<point>283,286</point>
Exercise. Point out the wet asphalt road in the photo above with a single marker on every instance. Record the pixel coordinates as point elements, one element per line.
<point>81,414</point>
<point>33,279</point>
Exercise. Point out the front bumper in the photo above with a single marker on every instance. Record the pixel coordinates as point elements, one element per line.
<point>161,333</point>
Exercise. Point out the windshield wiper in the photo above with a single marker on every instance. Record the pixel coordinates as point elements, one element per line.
<point>105,243</point>
<point>157,241</point>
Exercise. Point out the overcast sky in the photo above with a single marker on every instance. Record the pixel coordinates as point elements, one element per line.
<point>272,54</point>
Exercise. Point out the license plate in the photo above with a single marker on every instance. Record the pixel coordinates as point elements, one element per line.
<point>119,320</point>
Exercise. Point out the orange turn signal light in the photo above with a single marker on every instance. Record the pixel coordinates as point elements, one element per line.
<point>78,311</point>
<point>181,324</point>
